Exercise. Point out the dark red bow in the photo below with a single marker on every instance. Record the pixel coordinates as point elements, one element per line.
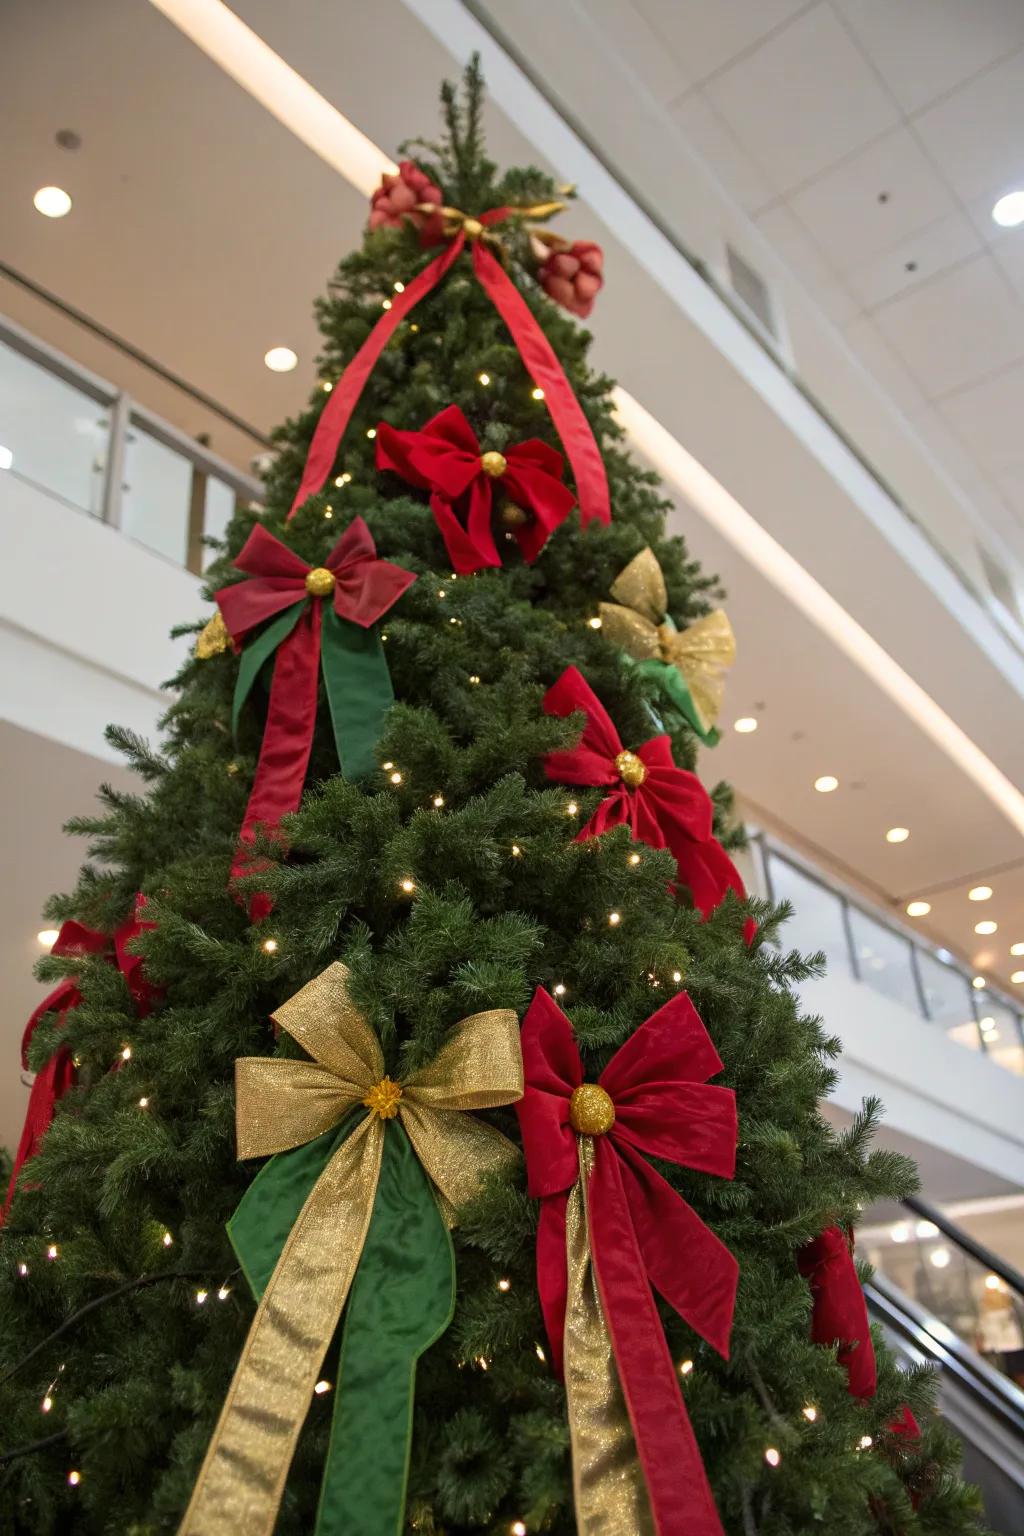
<point>54,1079</point>
<point>445,459</point>
<point>361,588</point>
<point>663,806</point>
<point>534,348</point>
<point>642,1232</point>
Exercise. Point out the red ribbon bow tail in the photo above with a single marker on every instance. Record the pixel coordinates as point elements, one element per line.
<point>839,1314</point>
<point>51,1082</point>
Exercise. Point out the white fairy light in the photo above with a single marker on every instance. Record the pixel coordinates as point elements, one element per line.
<point>677,976</point>
<point>269,946</point>
<point>772,1456</point>
<point>810,1413</point>
<point>559,989</point>
<point>321,1388</point>
<point>614,919</point>
<point>167,1239</point>
<point>685,1367</point>
<point>201,1296</point>
<point>865,1443</point>
<point>634,858</point>
<point>53,1251</point>
<point>438,802</point>
<point>396,777</point>
<point>572,809</point>
<point>224,1293</point>
<point>504,1284</point>
<point>595,623</point>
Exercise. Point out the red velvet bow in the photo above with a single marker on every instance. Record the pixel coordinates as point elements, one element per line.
<point>534,348</point>
<point>663,806</point>
<point>642,1232</point>
<point>54,1079</point>
<point>364,588</point>
<point>445,459</point>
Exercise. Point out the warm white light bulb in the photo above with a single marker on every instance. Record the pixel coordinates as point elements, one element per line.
<point>1017,976</point>
<point>685,1367</point>
<point>1017,949</point>
<point>978,983</point>
<point>167,1239</point>
<point>810,1413</point>
<point>270,946</point>
<point>280,359</point>
<point>614,919</point>
<point>46,1404</point>
<point>559,989</point>
<point>595,622</point>
<point>201,1296</point>
<point>979,893</point>
<point>53,1251</point>
<point>438,802</point>
<point>518,1528</point>
<point>504,1285</point>
<point>53,202</point>
<point>826,783</point>
<point>918,908</point>
<point>483,378</point>
<point>772,1456</point>
<point>74,1478</point>
<point>396,777</point>
<point>986,927</point>
<point>322,1387</point>
<point>538,393</point>
<point>408,886</point>
<point>897,834</point>
<point>865,1442</point>
<point>144,1102</point>
<point>399,287</point>
<point>224,1293</point>
<point>677,977</point>
<point>572,809</point>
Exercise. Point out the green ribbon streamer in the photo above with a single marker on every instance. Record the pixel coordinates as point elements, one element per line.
<point>358,690</point>
<point>257,652</point>
<point>401,1301</point>
<point>671,685</point>
<point>356,676</point>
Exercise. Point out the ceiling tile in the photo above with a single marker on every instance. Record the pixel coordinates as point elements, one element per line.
<point>914,260</point>
<point>878,357</point>
<point>803,99</point>
<point>1008,255</point>
<point>636,43</point>
<point>718,148</point>
<point>790,240</point>
<point>703,37</point>
<point>957,329</point>
<point>976,135</point>
<point>872,199</point>
<point>924,48</point>
<point>987,419</point>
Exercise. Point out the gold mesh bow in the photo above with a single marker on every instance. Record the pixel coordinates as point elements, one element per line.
<point>636,623</point>
<point>284,1104</point>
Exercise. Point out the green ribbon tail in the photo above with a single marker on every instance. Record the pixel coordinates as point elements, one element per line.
<point>358,690</point>
<point>256,653</point>
<point>402,1300</point>
<point>671,684</point>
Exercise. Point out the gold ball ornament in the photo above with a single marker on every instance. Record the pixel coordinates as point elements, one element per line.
<point>493,463</point>
<point>472,228</point>
<point>591,1111</point>
<point>630,769</point>
<point>512,516</point>
<point>320,582</point>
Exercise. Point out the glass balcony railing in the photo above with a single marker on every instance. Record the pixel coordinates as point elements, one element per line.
<point>80,439</point>
<point>873,949</point>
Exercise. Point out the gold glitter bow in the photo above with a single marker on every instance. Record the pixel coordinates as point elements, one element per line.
<point>282,1105</point>
<point>637,624</point>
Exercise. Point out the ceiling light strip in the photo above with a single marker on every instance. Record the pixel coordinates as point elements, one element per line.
<point>243,55</point>
<point>708,497</point>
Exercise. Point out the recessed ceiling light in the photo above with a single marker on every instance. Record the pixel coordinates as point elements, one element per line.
<point>745,725</point>
<point>978,983</point>
<point>1017,949</point>
<point>1018,977</point>
<point>897,834</point>
<point>918,908</point>
<point>6,457</point>
<point>280,359</point>
<point>1009,210</point>
<point>979,893</point>
<point>47,937</point>
<point>986,927</point>
<point>52,201</point>
<point>826,784</point>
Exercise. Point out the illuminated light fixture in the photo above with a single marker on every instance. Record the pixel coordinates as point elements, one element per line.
<point>707,496</point>
<point>1009,210</point>
<point>1017,976</point>
<point>244,56</point>
<point>126,1053</point>
<point>396,777</point>
<point>826,783</point>
<point>900,1233</point>
<point>167,1239</point>
<point>538,393</point>
<point>74,1478</point>
<point>504,1285</point>
<point>52,1251</point>
<point>634,859</point>
<point>52,202</point>
<point>559,989</point>
<point>979,893</point>
<point>47,937</point>
<point>280,359</point>
<point>23,1269</point>
<point>572,809</point>
<point>745,725</point>
<point>926,1229</point>
<point>385,304</point>
<point>614,919</point>
<point>810,1413</point>
<point>371,433</point>
<point>772,1456</point>
<point>1017,949</point>
<point>474,679</point>
<point>269,946</point>
<point>483,378</point>
<point>144,1102</point>
<point>594,623</point>
<point>940,1257</point>
<point>918,908</point>
<point>326,386</point>
<point>224,1293</point>
<point>399,287</point>
<point>518,1528</point>
<point>201,1296</point>
<point>322,1387</point>
<point>986,927</point>
<point>46,1404</point>
<point>6,457</point>
<point>516,851</point>
<point>685,1367</point>
<point>993,1283</point>
<point>407,885</point>
<point>677,976</point>
<point>897,834</point>
<point>865,1443</point>
<point>978,983</point>
<point>541,1356</point>
<point>438,801</point>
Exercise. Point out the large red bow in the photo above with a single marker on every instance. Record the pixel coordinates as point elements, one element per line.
<point>445,459</point>
<point>534,348</point>
<point>642,1232</point>
<point>54,1079</point>
<point>663,806</point>
<point>361,588</point>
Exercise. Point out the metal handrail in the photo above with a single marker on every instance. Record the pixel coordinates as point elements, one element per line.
<point>963,1240</point>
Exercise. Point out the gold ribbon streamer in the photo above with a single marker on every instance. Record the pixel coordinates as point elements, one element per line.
<point>213,638</point>
<point>635,623</point>
<point>282,1105</point>
<point>608,1484</point>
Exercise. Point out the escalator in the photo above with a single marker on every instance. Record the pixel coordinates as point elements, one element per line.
<point>945,1300</point>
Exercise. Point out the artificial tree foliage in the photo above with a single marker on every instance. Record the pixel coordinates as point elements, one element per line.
<point>138,1176</point>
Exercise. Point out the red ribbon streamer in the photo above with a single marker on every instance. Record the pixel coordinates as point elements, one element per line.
<point>365,588</point>
<point>670,808</point>
<point>534,348</point>
<point>444,458</point>
<point>642,1232</point>
<point>58,1075</point>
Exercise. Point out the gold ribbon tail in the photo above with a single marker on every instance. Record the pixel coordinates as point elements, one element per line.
<point>242,1479</point>
<point>610,1495</point>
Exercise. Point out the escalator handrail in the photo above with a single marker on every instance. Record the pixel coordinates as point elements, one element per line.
<point>985,1257</point>
<point>1000,1395</point>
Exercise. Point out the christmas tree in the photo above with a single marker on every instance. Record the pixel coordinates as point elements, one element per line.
<point>518,996</point>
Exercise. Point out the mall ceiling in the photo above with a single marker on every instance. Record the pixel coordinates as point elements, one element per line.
<point>201,229</point>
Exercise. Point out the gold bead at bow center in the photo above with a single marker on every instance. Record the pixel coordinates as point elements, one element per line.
<point>630,769</point>
<point>384,1098</point>
<point>493,463</point>
<point>591,1111</point>
<point>320,582</point>
<point>473,228</point>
